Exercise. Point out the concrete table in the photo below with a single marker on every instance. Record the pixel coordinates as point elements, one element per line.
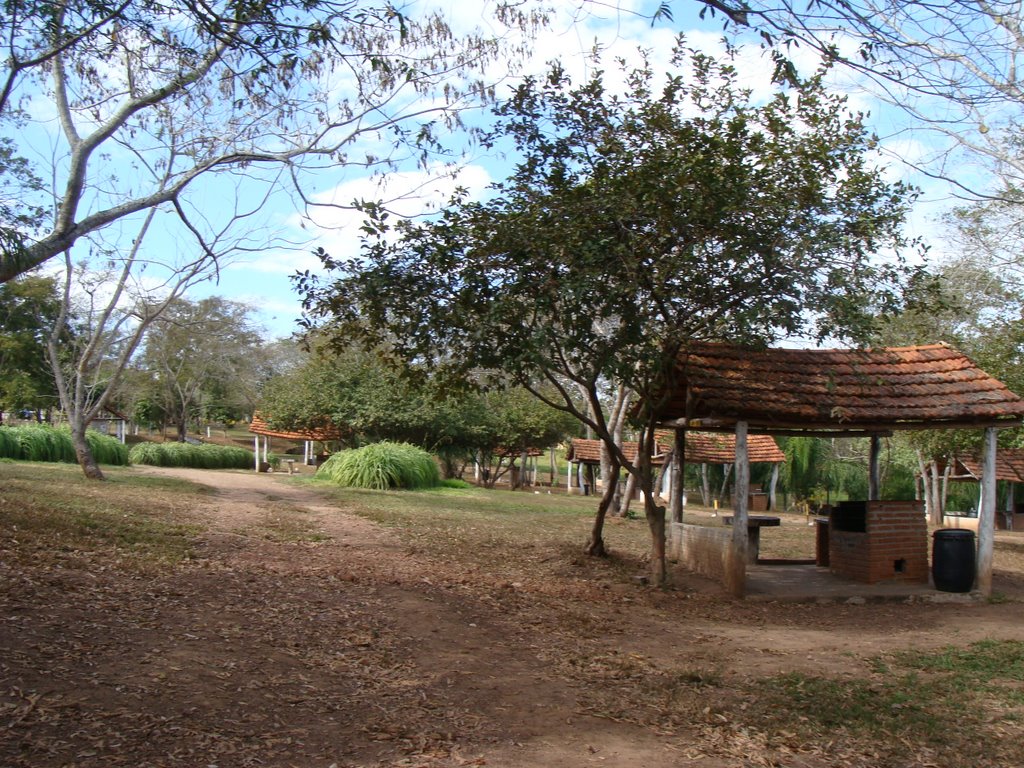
<point>754,525</point>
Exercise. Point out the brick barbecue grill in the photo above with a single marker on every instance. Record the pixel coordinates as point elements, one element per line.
<point>872,541</point>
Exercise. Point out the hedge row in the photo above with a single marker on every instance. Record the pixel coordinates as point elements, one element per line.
<point>189,455</point>
<point>40,442</point>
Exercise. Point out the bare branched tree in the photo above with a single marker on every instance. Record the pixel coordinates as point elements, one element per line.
<point>110,313</point>
<point>152,98</point>
<point>952,66</point>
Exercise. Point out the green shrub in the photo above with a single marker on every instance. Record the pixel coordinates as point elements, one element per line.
<point>43,443</point>
<point>106,449</point>
<point>381,466</point>
<point>454,482</point>
<point>10,447</point>
<point>193,456</point>
<point>40,442</point>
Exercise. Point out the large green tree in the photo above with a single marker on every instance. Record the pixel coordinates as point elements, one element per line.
<point>201,355</point>
<point>371,401</point>
<point>636,222</point>
<point>29,308</point>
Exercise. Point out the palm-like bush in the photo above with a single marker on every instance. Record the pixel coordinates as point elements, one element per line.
<point>39,442</point>
<point>381,466</point>
<point>194,456</point>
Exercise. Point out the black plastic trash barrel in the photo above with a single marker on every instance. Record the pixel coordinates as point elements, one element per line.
<point>953,560</point>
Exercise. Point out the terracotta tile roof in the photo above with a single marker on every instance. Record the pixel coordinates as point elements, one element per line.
<point>701,448</point>
<point>259,426</point>
<point>589,451</point>
<point>850,390</point>
<point>1009,465</point>
<point>720,448</point>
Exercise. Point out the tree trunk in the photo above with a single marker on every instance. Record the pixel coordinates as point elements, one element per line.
<point>595,546</point>
<point>654,512</point>
<point>627,496</point>
<point>705,486</point>
<point>726,472</point>
<point>448,467</point>
<point>85,458</point>
<point>655,515</point>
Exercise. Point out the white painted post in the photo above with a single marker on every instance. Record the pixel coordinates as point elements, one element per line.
<point>568,479</point>
<point>987,512</point>
<point>736,573</point>
<point>771,487</point>
<point>256,451</point>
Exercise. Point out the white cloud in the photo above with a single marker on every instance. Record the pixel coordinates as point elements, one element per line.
<point>407,194</point>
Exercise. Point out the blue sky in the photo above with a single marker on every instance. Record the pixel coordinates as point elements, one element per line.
<point>261,278</point>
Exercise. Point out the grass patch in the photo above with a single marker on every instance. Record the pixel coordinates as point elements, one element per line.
<point>994,668</point>
<point>864,707</point>
<point>946,700</point>
<point>54,511</point>
<point>505,531</point>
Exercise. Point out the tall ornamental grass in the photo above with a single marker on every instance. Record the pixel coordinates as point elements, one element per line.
<point>41,442</point>
<point>193,456</point>
<point>381,466</point>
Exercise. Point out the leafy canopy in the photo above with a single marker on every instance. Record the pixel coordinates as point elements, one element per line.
<point>635,222</point>
<point>370,402</point>
<point>29,308</point>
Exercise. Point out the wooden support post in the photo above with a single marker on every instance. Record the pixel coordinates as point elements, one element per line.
<point>987,512</point>
<point>256,451</point>
<point>736,568</point>
<point>675,474</point>
<point>874,477</point>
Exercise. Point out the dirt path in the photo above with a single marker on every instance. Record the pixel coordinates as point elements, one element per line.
<point>304,635</point>
<point>483,670</point>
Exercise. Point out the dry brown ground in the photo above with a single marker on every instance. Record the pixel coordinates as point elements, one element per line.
<point>347,646</point>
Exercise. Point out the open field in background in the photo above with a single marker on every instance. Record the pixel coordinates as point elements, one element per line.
<point>267,620</point>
